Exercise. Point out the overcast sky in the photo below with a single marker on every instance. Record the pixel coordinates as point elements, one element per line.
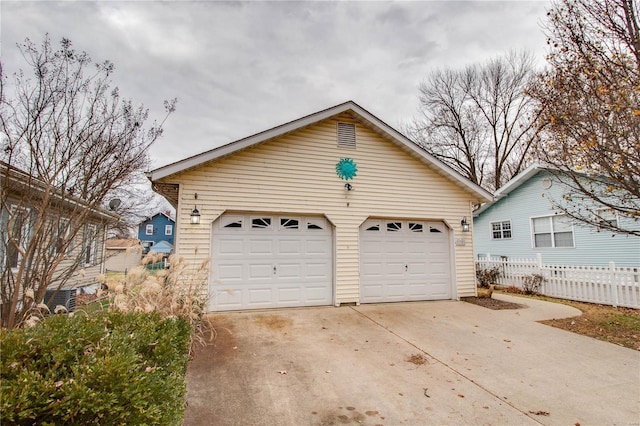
<point>238,68</point>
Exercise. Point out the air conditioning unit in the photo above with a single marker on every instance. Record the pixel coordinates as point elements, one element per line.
<point>64,297</point>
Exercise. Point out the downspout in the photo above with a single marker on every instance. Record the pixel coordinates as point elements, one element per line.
<point>104,249</point>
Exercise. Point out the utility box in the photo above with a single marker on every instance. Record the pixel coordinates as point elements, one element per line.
<point>64,297</point>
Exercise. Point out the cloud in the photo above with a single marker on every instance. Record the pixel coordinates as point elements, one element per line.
<point>238,68</point>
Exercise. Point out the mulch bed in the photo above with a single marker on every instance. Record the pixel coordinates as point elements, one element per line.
<point>490,303</point>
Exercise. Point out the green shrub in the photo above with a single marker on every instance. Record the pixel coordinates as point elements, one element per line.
<point>109,368</point>
<point>487,276</point>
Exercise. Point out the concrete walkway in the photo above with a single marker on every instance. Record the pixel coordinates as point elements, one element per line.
<point>410,363</point>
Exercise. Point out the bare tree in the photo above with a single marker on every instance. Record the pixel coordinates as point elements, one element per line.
<point>591,103</point>
<point>137,202</point>
<point>480,120</point>
<point>70,144</point>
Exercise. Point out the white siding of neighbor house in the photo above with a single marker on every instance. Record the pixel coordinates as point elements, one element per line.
<point>296,174</point>
<point>85,274</point>
<point>121,260</point>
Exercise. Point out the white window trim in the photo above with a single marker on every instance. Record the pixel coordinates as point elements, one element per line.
<point>501,229</point>
<point>553,240</point>
<point>599,213</point>
<point>149,229</point>
<point>168,230</point>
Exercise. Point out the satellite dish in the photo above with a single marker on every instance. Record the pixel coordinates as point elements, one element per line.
<point>114,204</point>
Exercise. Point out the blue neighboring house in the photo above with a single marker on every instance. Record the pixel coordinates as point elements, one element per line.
<point>521,223</point>
<point>155,229</point>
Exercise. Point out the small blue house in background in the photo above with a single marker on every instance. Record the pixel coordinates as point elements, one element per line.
<point>520,224</point>
<point>155,229</point>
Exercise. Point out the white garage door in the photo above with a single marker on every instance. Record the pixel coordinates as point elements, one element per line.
<point>404,260</point>
<point>269,261</point>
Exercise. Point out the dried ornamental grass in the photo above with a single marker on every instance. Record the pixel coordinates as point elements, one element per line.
<point>180,291</point>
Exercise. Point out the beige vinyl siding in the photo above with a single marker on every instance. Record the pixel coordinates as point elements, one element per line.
<point>85,274</point>
<point>296,174</point>
<point>123,259</point>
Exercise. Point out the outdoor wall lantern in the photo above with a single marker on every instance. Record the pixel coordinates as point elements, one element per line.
<point>195,214</point>
<point>465,224</point>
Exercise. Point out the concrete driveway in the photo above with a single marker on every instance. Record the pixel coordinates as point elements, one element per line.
<point>410,364</point>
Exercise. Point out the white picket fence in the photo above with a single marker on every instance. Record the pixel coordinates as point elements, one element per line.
<point>607,285</point>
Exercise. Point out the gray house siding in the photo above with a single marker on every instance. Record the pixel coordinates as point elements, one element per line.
<point>531,199</point>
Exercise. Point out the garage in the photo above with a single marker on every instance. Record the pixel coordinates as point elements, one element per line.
<point>404,260</point>
<point>279,214</point>
<point>270,261</point>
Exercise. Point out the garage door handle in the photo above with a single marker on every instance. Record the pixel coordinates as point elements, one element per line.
<point>274,270</point>
<point>406,268</point>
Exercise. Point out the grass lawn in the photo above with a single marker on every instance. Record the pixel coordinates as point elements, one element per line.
<point>98,305</point>
<point>620,326</point>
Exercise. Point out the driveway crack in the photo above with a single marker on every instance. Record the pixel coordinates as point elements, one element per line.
<point>443,363</point>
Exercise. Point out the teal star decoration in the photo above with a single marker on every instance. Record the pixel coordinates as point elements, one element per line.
<point>346,169</point>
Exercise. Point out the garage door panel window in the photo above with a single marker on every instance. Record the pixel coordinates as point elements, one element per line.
<point>236,224</point>
<point>231,222</point>
<point>315,225</point>
<point>261,223</point>
<point>415,227</point>
<point>394,226</point>
<point>287,223</point>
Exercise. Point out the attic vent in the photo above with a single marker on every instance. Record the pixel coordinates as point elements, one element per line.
<point>347,135</point>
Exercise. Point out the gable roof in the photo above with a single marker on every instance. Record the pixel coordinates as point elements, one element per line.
<point>162,247</point>
<point>157,214</point>
<point>512,185</point>
<point>360,114</point>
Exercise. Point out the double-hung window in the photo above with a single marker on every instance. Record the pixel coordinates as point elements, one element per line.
<point>552,231</point>
<point>91,245</point>
<point>149,229</point>
<point>501,230</point>
<point>606,217</point>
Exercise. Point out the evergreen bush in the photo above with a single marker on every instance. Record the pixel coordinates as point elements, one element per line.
<point>109,368</point>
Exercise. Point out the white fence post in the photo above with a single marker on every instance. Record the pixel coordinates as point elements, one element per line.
<point>608,285</point>
<point>614,284</point>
